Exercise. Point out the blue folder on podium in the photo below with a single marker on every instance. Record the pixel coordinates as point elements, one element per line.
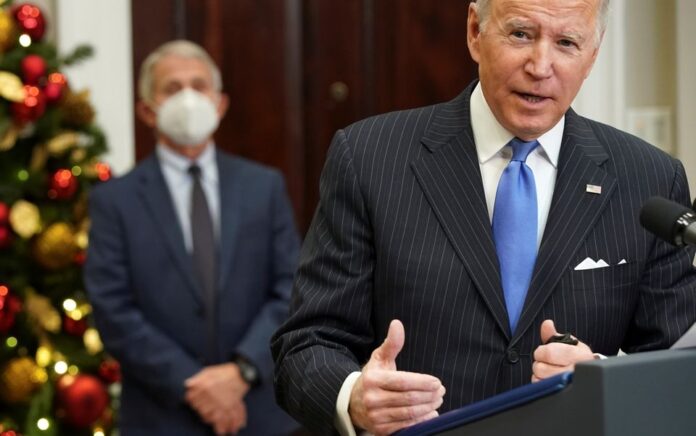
<point>489,406</point>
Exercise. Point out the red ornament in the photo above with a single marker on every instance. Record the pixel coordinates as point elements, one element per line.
<point>9,433</point>
<point>4,214</point>
<point>10,306</point>
<point>63,185</point>
<point>30,20</point>
<point>33,69</point>
<point>32,107</point>
<point>55,87</point>
<point>110,371</point>
<point>103,171</point>
<point>5,237</point>
<point>81,399</point>
<point>80,258</point>
<point>74,327</point>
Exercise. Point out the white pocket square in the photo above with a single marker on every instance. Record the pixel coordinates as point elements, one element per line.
<point>591,264</point>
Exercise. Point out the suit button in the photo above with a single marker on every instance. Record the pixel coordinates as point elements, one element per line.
<point>512,355</point>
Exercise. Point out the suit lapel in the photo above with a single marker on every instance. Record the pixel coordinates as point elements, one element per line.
<point>450,177</point>
<point>156,196</point>
<point>230,214</point>
<point>573,212</point>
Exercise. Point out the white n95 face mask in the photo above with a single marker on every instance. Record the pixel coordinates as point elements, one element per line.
<point>188,117</point>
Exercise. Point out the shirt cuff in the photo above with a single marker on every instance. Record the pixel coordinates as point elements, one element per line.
<point>342,420</point>
<point>599,356</point>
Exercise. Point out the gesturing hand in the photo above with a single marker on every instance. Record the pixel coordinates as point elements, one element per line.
<point>384,400</point>
<point>554,358</point>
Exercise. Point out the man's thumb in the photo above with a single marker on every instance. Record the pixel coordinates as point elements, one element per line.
<point>392,345</point>
<point>548,329</point>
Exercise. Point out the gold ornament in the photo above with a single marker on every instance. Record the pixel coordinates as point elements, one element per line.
<point>78,155</point>
<point>19,379</point>
<point>25,219</point>
<point>38,158</point>
<point>11,87</point>
<point>77,111</point>
<point>55,248</point>
<point>41,312</point>
<point>9,138</point>
<point>82,239</point>
<point>62,142</point>
<point>92,341</point>
<point>7,31</point>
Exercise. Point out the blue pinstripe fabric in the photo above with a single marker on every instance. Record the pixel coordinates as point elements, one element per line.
<point>402,231</point>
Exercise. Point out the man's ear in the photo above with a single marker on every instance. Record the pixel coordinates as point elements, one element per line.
<point>223,105</point>
<point>146,114</point>
<point>473,32</point>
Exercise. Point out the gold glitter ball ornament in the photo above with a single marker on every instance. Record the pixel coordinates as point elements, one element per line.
<point>19,379</point>
<point>55,247</point>
<point>77,110</point>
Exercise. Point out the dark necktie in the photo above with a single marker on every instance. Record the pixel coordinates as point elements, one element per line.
<point>204,252</point>
<point>515,228</point>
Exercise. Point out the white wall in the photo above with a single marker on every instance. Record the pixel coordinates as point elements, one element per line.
<point>686,86</point>
<point>602,96</point>
<point>106,26</point>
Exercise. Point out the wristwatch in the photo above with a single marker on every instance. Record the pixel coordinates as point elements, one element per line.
<point>247,371</point>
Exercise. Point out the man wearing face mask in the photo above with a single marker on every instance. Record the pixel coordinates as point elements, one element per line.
<point>190,264</point>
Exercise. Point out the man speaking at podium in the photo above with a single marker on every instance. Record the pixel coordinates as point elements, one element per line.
<point>463,231</point>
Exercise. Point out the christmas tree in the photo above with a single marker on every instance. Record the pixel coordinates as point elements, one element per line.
<point>54,376</point>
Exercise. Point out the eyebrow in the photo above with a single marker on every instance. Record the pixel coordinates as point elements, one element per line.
<point>574,36</point>
<point>519,24</point>
<point>516,23</point>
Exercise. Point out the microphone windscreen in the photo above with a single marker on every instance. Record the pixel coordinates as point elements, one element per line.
<point>659,216</point>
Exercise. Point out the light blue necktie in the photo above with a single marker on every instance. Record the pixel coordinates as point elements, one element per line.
<point>515,228</point>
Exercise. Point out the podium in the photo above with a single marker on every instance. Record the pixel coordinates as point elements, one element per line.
<point>644,394</point>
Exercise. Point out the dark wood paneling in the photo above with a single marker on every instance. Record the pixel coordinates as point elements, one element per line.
<point>154,22</point>
<point>420,52</point>
<point>333,38</point>
<point>258,51</point>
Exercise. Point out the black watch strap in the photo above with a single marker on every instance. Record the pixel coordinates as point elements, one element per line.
<point>248,371</point>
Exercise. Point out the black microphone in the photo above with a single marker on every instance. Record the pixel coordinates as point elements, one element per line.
<point>669,220</point>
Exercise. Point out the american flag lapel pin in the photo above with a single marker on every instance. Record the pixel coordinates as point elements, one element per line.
<point>594,189</point>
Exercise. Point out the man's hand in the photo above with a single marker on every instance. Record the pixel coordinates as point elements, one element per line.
<point>385,400</point>
<point>217,394</point>
<point>555,358</point>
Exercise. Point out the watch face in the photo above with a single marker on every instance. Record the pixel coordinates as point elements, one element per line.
<point>248,372</point>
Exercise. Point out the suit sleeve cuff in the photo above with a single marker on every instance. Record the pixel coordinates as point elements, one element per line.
<point>342,420</point>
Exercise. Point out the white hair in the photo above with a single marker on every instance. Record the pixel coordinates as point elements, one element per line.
<point>483,10</point>
<point>181,48</point>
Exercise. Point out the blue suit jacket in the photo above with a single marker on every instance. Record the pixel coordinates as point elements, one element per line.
<point>148,305</point>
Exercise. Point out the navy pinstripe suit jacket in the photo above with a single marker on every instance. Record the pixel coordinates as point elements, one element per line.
<point>402,231</point>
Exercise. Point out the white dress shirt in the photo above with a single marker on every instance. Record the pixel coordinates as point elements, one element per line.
<point>494,154</point>
<point>180,183</point>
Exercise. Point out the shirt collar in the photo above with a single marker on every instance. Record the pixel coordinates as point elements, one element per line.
<point>180,164</point>
<point>490,136</point>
